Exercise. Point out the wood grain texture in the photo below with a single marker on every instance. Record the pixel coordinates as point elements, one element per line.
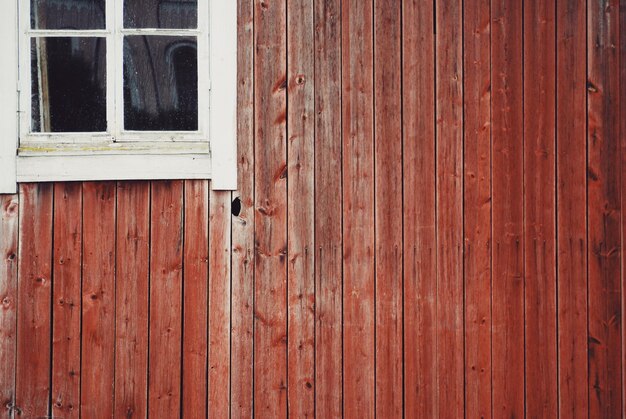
<point>270,162</point>
<point>300,209</point>
<point>242,265</point>
<point>98,299</point>
<point>34,325</point>
<point>328,209</point>
<point>477,207</point>
<point>571,167</point>
<point>388,206</point>
<point>449,190</point>
<point>508,206</point>
<point>195,299</point>
<point>9,221</point>
<point>219,304</point>
<point>358,209</point>
<point>604,209</point>
<point>539,209</point>
<point>166,281</point>
<point>420,262</point>
<point>131,299</point>
<point>66,299</point>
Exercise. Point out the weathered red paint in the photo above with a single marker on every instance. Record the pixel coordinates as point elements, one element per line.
<point>431,224</point>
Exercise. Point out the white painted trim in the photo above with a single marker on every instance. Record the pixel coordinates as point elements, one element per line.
<point>106,167</point>
<point>9,95</point>
<point>56,33</point>
<point>24,65</point>
<point>95,147</point>
<point>223,125</point>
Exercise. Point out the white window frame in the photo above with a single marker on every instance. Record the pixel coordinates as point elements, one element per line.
<point>116,155</point>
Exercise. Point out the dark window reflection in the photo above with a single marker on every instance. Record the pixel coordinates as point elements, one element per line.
<point>68,84</point>
<point>160,83</point>
<point>67,14</point>
<point>170,14</point>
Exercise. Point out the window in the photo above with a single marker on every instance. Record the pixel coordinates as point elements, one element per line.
<point>118,89</point>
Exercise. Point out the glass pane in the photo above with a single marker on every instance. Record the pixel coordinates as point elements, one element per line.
<point>167,14</point>
<point>67,14</point>
<point>160,83</point>
<point>68,84</point>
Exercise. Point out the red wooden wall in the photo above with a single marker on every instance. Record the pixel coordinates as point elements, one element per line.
<point>431,225</point>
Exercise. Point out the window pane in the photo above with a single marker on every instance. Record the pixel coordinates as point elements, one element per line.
<point>67,14</point>
<point>160,83</point>
<point>169,14</point>
<point>68,84</point>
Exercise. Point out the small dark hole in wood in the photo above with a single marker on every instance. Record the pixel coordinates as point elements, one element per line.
<point>236,207</point>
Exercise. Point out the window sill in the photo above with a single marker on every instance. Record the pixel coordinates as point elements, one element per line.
<point>40,148</point>
<point>52,168</point>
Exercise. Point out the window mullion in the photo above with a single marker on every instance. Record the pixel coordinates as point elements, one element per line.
<point>115,62</point>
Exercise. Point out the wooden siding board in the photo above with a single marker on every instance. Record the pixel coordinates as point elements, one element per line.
<point>539,209</point>
<point>571,128</point>
<point>508,217</point>
<point>270,86</point>
<point>219,304</point>
<point>98,299</point>
<point>131,299</point>
<point>449,192</point>
<point>34,323</point>
<point>195,298</point>
<point>388,206</point>
<point>477,207</point>
<point>328,209</point>
<point>300,209</point>
<point>242,264</point>
<point>66,304</point>
<point>165,319</point>
<point>9,221</point>
<point>604,210</point>
<point>420,264</point>
<point>622,131</point>
<point>358,209</point>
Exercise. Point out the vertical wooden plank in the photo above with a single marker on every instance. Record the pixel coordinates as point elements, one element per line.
<point>604,210</point>
<point>219,304</point>
<point>195,299</point>
<point>34,324</point>
<point>8,300</point>
<point>622,130</point>
<point>358,209</point>
<point>388,206</point>
<point>449,189</point>
<point>508,209</point>
<point>477,207</point>
<point>66,304</point>
<point>539,208</point>
<point>300,210</point>
<point>571,105</point>
<point>243,224</point>
<point>131,299</point>
<point>420,263</point>
<point>166,277</point>
<point>328,209</point>
<point>270,81</point>
<point>98,293</point>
